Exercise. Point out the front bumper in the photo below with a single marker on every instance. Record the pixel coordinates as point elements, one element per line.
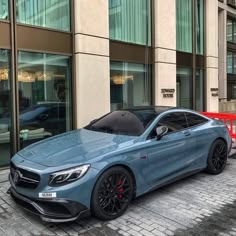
<point>51,210</point>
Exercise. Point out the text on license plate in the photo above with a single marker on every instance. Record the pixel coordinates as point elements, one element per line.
<point>47,195</point>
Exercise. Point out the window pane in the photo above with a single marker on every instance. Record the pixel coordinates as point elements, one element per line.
<point>130,85</point>
<point>174,122</point>
<point>184,87</point>
<point>199,92</point>
<point>53,14</point>
<point>234,31</point>
<point>194,119</point>
<point>4,9</point>
<point>229,30</point>
<point>184,25</point>
<point>5,112</point>
<point>229,62</point>
<point>233,87</point>
<point>44,96</point>
<point>130,21</point>
<point>234,63</point>
<point>199,27</point>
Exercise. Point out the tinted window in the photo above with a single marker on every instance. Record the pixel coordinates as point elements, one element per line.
<point>174,122</point>
<point>122,122</point>
<point>194,119</point>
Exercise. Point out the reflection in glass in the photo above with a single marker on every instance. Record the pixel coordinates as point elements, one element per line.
<point>53,14</point>
<point>44,96</point>
<point>130,21</point>
<point>233,87</point>
<point>184,25</point>
<point>229,62</point>
<point>3,9</point>
<point>184,87</point>
<point>199,89</point>
<point>229,30</point>
<point>5,122</point>
<point>199,26</point>
<point>130,85</point>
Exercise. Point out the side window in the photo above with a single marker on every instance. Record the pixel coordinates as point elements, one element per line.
<point>194,119</point>
<point>174,121</point>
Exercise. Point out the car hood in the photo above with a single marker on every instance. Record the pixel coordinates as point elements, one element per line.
<point>75,147</point>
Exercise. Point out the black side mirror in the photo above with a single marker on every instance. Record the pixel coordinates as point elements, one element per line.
<point>161,131</point>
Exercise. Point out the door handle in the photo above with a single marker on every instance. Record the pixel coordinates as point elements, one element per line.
<point>187,133</point>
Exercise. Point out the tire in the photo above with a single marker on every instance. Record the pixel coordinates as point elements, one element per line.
<point>217,157</point>
<point>112,193</point>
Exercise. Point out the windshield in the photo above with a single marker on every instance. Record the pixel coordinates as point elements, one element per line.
<point>132,123</point>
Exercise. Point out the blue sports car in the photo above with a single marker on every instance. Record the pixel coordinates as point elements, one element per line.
<point>100,168</point>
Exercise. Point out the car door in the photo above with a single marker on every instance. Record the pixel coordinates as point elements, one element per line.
<point>167,157</point>
<point>201,135</point>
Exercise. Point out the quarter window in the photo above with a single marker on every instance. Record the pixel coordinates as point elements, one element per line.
<point>194,119</point>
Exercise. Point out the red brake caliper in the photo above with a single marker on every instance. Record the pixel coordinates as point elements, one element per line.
<point>120,190</point>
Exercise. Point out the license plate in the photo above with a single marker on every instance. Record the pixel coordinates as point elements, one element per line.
<point>47,195</point>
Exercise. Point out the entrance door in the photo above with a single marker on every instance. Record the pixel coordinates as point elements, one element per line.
<point>5,109</point>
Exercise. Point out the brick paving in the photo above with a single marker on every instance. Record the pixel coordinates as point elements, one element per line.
<point>198,205</point>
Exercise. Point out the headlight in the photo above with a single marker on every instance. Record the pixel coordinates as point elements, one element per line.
<point>67,176</point>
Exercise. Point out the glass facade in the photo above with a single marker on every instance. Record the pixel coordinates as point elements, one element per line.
<point>4,10</point>
<point>230,63</point>
<point>130,21</point>
<point>53,14</point>
<point>184,87</point>
<point>44,82</point>
<point>199,90</point>
<point>5,107</point>
<point>184,25</point>
<point>36,89</point>
<point>199,26</point>
<point>130,85</point>
<point>231,30</point>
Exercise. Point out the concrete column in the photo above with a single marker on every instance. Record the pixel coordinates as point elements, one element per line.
<point>211,54</point>
<point>92,60</point>
<point>222,54</point>
<point>165,50</point>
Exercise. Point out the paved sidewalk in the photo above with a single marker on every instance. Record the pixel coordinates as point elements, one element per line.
<point>199,205</point>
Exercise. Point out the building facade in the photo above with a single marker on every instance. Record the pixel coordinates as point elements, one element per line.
<point>64,63</point>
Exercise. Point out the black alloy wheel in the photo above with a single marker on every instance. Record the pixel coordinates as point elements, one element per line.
<point>112,193</point>
<point>217,157</point>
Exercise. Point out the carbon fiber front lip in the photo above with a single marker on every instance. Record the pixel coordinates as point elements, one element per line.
<point>33,207</point>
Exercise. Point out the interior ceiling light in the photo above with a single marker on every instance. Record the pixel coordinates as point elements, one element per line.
<point>121,79</point>
<point>44,76</point>
<point>26,77</point>
<point>3,74</point>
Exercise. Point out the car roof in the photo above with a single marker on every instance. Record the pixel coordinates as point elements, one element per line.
<point>152,109</point>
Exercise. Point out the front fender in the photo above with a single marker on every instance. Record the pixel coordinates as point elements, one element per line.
<point>135,165</point>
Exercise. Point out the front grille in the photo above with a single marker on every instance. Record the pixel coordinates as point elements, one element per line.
<point>27,179</point>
